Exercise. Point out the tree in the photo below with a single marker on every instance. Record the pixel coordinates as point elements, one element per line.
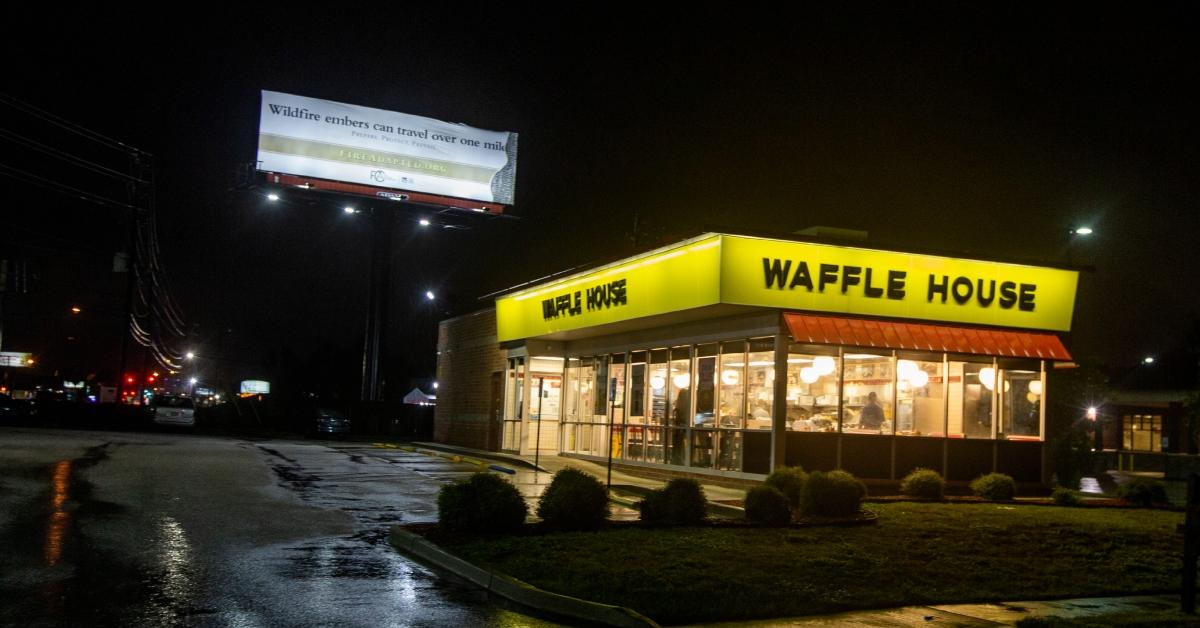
<point>1069,432</point>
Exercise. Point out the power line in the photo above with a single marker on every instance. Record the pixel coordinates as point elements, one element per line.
<point>65,156</point>
<point>60,187</point>
<point>67,125</point>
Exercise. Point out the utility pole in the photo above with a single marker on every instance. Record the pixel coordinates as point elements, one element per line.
<point>378,294</point>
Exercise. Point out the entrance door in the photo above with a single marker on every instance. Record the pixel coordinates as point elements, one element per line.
<point>545,403</point>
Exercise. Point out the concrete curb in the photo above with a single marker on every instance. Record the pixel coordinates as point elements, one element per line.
<point>515,590</point>
<point>450,456</point>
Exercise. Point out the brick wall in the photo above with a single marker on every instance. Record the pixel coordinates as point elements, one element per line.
<point>468,355</point>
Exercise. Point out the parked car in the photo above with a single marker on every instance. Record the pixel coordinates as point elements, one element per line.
<point>13,409</point>
<point>330,422</point>
<point>173,410</point>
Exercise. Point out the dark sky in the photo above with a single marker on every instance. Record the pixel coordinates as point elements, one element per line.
<point>988,131</point>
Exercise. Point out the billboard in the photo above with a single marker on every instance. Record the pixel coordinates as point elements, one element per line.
<point>15,358</point>
<point>330,140</point>
<point>255,387</point>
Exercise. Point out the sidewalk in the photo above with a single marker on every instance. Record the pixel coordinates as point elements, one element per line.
<point>971,615</point>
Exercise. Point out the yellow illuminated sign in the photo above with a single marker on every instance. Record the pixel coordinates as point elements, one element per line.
<point>677,278</point>
<point>823,278</point>
<point>761,272</point>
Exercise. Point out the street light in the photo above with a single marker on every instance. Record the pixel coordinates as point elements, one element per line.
<point>272,197</point>
<point>1148,360</point>
<point>349,210</point>
<point>429,295</point>
<point>424,222</point>
<point>1083,231</point>
<point>190,355</point>
<point>75,309</point>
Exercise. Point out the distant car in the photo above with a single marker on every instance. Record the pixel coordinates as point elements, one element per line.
<point>330,422</point>
<point>173,410</point>
<point>13,409</point>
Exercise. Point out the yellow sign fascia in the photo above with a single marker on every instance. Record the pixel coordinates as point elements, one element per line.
<point>716,268</point>
<point>849,280</point>
<point>672,279</point>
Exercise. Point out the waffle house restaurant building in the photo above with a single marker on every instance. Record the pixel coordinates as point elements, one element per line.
<point>730,355</point>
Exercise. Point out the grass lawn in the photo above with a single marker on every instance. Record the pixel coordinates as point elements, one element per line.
<point>918,553</point>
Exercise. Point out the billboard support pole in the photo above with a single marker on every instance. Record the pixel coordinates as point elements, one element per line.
<point>377,302</point>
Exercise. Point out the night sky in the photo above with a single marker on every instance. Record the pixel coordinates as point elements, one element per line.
<point>981,131</point>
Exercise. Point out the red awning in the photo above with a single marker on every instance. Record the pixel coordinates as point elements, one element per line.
<point>857,332</point>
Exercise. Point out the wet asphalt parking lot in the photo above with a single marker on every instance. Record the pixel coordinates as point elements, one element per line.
<point>154,529</point>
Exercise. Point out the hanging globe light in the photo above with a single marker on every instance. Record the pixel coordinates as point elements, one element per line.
<point>729,377</point>
<point>823,365</point>
<point>987,377</point>
<point>809,374</point>
<point>1035,387</point>
<point>919,378</point>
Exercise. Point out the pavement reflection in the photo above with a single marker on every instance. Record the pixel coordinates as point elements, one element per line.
<point>56,526</point>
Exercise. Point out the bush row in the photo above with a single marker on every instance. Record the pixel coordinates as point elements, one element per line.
<point>574,500</point>
<point>790,492</point>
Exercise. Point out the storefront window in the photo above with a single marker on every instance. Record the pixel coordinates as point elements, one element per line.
<point>616,401</point>
<point>657,413</point>
<point>635,431</point>
<point>760,383</point>
<point>1021,409</point>
<point>600,391</point>
<point>812,392</point>
<point>974,390</point>
<point>729,450</point>
<point>702,448</point>
<point>1143,432</point>
<point>920,398</point>
<point>680,388</point>
<point>732,384</point>
<point>659,378</point>
<point>868,393</point>
<point>706,386</point>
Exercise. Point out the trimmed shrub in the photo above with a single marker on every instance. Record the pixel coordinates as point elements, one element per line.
<point>1064,496</point>
<point>765,504</point>
<point>482,503</point>
<point>832,494</point>
<point>789,481</point>
<point>925,483</point>
<point>681,502</point>
<point>994,486</point>
<point>653,507</point>
<point>574,500</point>
<point>1142,491</point>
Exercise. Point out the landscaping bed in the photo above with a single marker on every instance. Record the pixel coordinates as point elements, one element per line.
<point>915,553</point>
